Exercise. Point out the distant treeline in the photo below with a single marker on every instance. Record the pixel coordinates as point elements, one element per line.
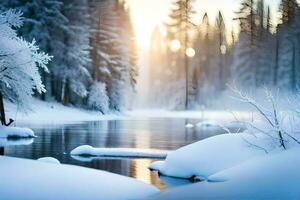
<point>261,55</point>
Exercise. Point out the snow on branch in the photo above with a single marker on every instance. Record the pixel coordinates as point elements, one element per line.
<point>20,61</point>
<point>272,123</point>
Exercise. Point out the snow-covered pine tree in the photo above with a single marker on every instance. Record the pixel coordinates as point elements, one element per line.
<point>110,56</point>
<point>45,23</point>
<point>97,98</point>
<point>244,55</point>
<point>20,62</point>
<point>128,51</point>
<point>288,42</point>
<point>74,76</point>
<point>221,45</point>
<point>205,52</point>
<point>265,40</point>
<point>181,24</point>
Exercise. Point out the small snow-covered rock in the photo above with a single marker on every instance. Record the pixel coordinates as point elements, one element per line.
<point>189,126</point>
<point>208,124</point>
<point>15,132</point>
<point>49,160</point>
<point>86,150</point>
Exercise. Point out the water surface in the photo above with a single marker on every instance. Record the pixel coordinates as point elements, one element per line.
<point>57,140</point>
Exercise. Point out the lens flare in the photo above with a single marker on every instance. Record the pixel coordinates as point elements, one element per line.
<point>175,45</point>
<point>190,52</point>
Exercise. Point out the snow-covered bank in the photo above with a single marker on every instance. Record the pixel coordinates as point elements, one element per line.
<point>15,132</point>
<point>53,112</point>
<point>86,150</point>
<point>271,176</point>
<point>207,157</point>
<point>219,115</point>
<point>34,180</point>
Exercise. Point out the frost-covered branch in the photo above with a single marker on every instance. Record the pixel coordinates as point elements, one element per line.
<point>272,117</point>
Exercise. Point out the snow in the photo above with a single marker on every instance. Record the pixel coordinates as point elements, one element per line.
<point>207,157</point>
<point>86,150</point>
<point>32,180</point>
<point>271,176</point>
<point>218,115</point>
<point>189,126</point>
<point>53,112</point>
<point>15,132</point>
<point>4,142</point>
<point>49,160</point>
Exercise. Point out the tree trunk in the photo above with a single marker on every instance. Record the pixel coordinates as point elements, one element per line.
<point>2,111</point>
<point>276,60</point>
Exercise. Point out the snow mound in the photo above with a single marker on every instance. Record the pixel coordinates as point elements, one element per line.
<point>189,126</point>
<point>207,157</point>
<point>86,150</point>
<point>49,160</point>
<point>33,180</point>
<point>15,132</point>
<point>264,177</point>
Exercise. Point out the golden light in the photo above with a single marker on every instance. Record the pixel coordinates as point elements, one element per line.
<point>190,52</point>
<point>175,45</point>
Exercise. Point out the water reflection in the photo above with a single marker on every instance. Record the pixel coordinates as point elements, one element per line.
<point>58,140</point>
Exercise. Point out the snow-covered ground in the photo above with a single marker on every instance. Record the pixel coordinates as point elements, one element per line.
<point>270,176</point>
<point>217,115</point>
<point>15,132</point>
<point>86,150</point>
<point>53,112</point>
<point>23,179</point>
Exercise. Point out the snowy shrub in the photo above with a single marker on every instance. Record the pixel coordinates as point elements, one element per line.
<point>97,98</point>
<point>277,127</point>
<point>20,61</point>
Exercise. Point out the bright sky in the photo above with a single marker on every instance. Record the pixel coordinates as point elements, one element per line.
<point>146,14</point>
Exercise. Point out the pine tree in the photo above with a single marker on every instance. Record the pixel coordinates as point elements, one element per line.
<point>244,55</point>
<point>73,73</point>
<point>20,62</point>
<point>221,48</point>
<point>43,22</point>
<point>289,45</point>
<point>181,24</point>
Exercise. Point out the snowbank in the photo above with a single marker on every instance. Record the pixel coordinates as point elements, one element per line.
<point>86,150</point>
<point>33,180</point>
<point>207,157</point>
<point>53,112</point>
<point>272,176</point>
<point>15,132</point>
<point>49,160</point>
<point>219,115</point>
